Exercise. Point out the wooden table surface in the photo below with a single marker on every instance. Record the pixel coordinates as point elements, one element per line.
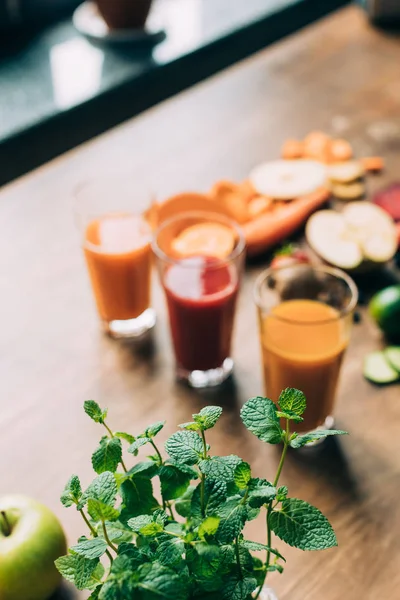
<point>339,75</point>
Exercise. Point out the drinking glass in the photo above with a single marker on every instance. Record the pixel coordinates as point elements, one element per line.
<point>114,216</point>
<point>201,289</point>
<point>305,316</point>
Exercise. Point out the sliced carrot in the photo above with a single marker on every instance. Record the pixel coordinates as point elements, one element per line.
<point>292,149</point>
<point>259,205</point>
<point>373,164</point>
<point>340,150</point>
<point>282,221</point>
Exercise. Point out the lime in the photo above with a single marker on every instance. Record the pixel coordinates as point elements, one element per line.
<point>378,370</point>
<point>385,310</point>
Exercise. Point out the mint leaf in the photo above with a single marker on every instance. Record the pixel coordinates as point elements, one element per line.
<point>233,517</point>
<point>190,426</point>
<point>214,497</point>
<point>237,588</point>
<point>308,438</point>
<point>259,416</point>
<point>137,497</point>
<point>185,447</point>
<point>146,468</point>
<point>93,410</point>
<point>183,504</point>
<point>209,527</point>
<point>261,492</point>
<point>153,429</point>
<point>99,511</point>
<point>303,526</point>
<point>95,594</point>
<point>121,580</point>
<point>116,531</point>
<point>108,455</point>
<point>151,529</point>
<point>292,400</point>
<point>103,488</point>
<point>242,475</point>
<point>256,546</point>
<point>85,573</point>
<point>137,523</point>
<point>208,416</point>
<point>220,467</point>
<point>138,443</point>
<point>125,436</point>
<point>72,492</point>
<point>281,493</point>
<point>205,560</point>
<point>290,415</point>
<point>91,548</point>
<point>161,582</point>
<point>169,553</point>
<point>174,481</point>
<point>66,565</point>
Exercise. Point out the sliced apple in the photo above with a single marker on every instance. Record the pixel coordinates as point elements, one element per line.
<point>361,233</point>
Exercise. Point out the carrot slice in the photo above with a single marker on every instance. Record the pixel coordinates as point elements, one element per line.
<point>259,205</point>
<point>282,221</point>
<point>373,164</point>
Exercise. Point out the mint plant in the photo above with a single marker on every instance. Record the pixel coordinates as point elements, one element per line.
<point>189,543</point>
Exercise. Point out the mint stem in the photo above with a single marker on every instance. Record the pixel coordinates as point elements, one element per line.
<point>109,542</point>
<point>6,528</point>
<point>161,462</point>
<point>203,477</point>
<point>112,436</point>
<point>94,533</point>
<point>238,557</point>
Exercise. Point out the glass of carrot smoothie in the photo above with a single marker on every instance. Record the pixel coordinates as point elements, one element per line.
<point>305,317</point>
<point>200,258</point>
<point>116,236</point>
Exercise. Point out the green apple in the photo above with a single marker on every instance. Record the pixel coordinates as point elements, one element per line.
<point>31,538</point>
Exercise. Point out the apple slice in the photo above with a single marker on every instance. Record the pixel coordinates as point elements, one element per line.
<point>361,233</point>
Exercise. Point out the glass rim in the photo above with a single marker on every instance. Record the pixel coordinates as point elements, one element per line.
<point>213,262</point>
<point>334,271</point>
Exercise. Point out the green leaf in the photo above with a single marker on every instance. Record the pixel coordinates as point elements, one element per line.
<point>138,443</point>
<point>281,493</point>
<point>191,426</point>
<point>93,410</point>
<point>220,467</point>
<point>151,529</point>
<point>121,581</point>
<point>125,436</point>
<point>83,572</point>
<point>303,526</point>
<point>292,400</point>
<point>209,527</point>
<point>205,560</point>
<point>185,447</point>
<point>259,416</point>
<point>308,438</point>
<point>137,523</point>
<point>116,531</point>
<point>242,475</point>
<point>99,511</point>
<point>174,481</point>
<point>214,497</point>
<point>153,429</point>
<point>96,593</point>
<point>208,417</point>
<point>66,565</point>
<point>108,455</point>
<point>137,497</point>
<point>290,415</point>
<point>233,517</point>
<point>256,546</point>
<point>103,488</point>
<point>237,588</point>
<point>72,492</point>
<point>169,553</point>
<point>91,548</point>
<point>183,504</point>
<point>146,468</point>
<point>161,582</point>
<point>261,492</point>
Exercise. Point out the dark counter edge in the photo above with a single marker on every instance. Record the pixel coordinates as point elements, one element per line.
<point>51,137</point>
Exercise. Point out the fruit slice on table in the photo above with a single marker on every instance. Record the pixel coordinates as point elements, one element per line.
<point>392,355</point>
<point>361,232</point>
<point>205,239</point>
<point>389,200</point>
<point>378,370</point>
<point>287,179</point>
<point>345,172</point>
<point>350,191</point>
<point>385,310</point>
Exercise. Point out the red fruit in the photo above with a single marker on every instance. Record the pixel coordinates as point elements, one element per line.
<point>389,200</point>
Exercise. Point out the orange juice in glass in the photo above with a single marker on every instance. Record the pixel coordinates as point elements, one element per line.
<point>305,317</point>
<point>116,238</point>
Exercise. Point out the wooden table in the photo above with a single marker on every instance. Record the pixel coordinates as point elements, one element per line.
<point>338,75</point>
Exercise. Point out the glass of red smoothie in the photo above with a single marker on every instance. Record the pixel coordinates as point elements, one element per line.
<point>200,258</point>
<point>114,217</point>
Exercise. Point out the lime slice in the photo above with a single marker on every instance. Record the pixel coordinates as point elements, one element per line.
<point>392,355</point>
<point>378,370</point>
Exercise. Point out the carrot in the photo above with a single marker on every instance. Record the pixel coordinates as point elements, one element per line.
<point>374,164</point>
<point>340,150</point>
<point>282,221</point>
<point>292,149</point>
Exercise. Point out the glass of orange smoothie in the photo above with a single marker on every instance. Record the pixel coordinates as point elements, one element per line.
<point>114,218</point>
<point>305,317</point>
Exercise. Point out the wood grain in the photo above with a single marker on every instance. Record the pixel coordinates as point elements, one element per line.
<point>339,75</point>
